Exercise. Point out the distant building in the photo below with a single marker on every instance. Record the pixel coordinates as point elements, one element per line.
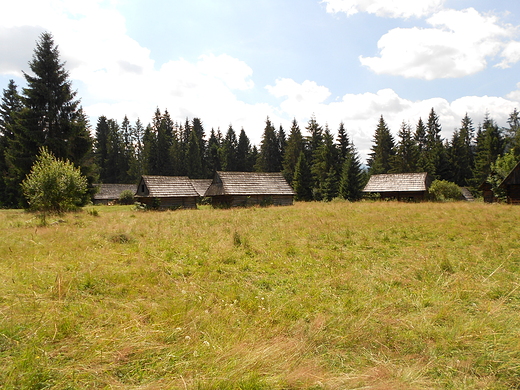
<point>109,193</point>
<point>511,184</point>
<point>411,187</point>
<point>167,192</point>
<point>250,188</point>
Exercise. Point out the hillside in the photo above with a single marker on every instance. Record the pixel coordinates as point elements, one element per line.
<point>315,296</point>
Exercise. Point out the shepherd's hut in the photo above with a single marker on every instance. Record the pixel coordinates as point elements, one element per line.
<point>167,192</point>
<point>250,188</point>
<point>412,187</point>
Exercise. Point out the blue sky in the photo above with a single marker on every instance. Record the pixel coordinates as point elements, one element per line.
<point>237,62</point>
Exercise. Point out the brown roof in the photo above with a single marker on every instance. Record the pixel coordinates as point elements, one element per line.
<point>112,191</point>
<point>512,178</point>
<point>398,182</point>
<point>201,185</point>
<point>166,187</point>
<point>249,183</point>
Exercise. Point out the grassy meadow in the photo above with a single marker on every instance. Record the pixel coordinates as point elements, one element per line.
<point>333,295</point>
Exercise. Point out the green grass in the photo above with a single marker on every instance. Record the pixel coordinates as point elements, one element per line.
<point>315,296</point>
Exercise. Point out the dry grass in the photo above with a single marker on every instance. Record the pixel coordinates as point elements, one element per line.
<point>314,296</point>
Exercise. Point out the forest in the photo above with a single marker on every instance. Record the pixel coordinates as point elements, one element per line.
<point>320,163</point>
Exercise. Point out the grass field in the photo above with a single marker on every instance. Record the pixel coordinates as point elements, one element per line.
<point>315,296</point>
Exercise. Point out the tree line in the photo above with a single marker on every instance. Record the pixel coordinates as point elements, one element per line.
<point>318,164</point>
<point>470,158</point>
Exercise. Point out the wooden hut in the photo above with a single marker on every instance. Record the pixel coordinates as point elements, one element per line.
<point>167,192</point>
<point>250,188</point>
<point>412,187</point>
<point>109,193</point>
<point>487,192</point>
<point>511,185</point>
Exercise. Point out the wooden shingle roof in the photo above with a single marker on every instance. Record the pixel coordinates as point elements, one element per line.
<point>249,183</point>
<point>112,191</point>
<point>398,182</point>
<point>201,185</point>
<point>167,187</point>
<point>512,178</point>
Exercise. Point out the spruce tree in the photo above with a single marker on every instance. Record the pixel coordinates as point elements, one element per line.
<point>302,183</point>
<point>382,149</point>
<point>269,157</point>
<point>10,106</point>
<point>405,158</point>
<point>352,176</point>
<point>294,146</point>
<point>489,147</point>
<point>244,163</point>
<point>50,117</point>
<point>228,151</point>
<point>324,169</point>
<point>213,153</point>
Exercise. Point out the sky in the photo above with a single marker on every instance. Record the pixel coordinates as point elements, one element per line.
<point>237,62</point>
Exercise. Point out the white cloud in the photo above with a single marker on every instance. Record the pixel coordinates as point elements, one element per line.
<point>459,44</point>
<point>385,8</point>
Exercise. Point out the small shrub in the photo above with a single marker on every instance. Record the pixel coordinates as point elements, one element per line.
<point>53,185</point>
<point>126,197</point>
<point>443,190</point>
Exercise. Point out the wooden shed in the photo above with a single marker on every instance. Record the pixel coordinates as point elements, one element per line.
<point>167,192</point>
<point>511,185</point>
<point>412,187</point>
<point>250,188</point>
<point>487,192</point>
<point>109,193</point>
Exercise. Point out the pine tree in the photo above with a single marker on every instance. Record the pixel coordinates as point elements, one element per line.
<point>323,168</point>
<point>213,153</point>
<point>302,183</point>
<point>461,153</point>
<point>382,150</point>
<point>405,158</point>
<point>228,151</point>
<point>244,163</point>
<point>294,146</point>
<point>352,176</point>
<point>269,157</point>
<point>10,106</point>
<point>421,144</point>
<point>436,162</point>
<point>343,143</point>
<point>513,133</point>
<point>194,168</point>
<point>50,117</point>
<point>489,147</point>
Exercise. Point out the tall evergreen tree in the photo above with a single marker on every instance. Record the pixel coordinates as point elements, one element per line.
<point>461,153</point>
<point>352,176</point>
<point>194,168</point>
<point>228,151</point>
<point>382,149</point>
<point>436,162</point>
<point>343,143</point>
<point>213,153</point>
<point>10,106</point>
<point>302,183</point>
<point>244,161</point>
<point>269,157</point>
<point>489,147</point>
<point>324,171</point>
<point>405,158</point>
<point>421,145</point>
<point>513,133</point>
<point>294,146</point>
<point>51,115</point>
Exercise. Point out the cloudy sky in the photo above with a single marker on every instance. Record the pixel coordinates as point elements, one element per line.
<point>239,61</point>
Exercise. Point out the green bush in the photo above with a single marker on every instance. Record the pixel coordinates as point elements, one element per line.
<point>126,197</point>
<point>443,190</point>
<point>54,185</point>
